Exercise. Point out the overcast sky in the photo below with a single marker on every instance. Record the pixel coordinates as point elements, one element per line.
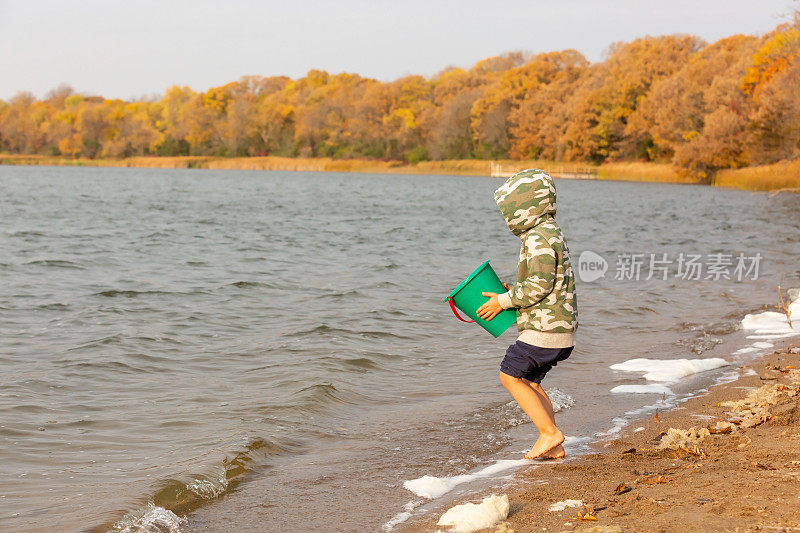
<point>124,49</point>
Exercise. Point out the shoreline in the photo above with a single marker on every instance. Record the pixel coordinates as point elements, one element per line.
<point>737,478</point>
<point>779,177</point>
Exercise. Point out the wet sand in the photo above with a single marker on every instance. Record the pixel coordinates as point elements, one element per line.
<point>743,476</point>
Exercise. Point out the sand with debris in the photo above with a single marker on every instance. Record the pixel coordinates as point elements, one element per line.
<point>725,461</point>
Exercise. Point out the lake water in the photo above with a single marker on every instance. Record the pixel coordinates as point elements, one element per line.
<point>271,350</point>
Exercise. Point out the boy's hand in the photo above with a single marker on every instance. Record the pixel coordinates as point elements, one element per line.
<point>490,309</point>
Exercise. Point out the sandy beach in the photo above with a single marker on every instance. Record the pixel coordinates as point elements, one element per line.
<point>727,460</point>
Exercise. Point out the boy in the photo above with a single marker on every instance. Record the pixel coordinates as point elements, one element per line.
<point>544,296</point>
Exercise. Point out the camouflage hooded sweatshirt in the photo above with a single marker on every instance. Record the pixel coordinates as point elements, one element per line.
<point>544,294</point>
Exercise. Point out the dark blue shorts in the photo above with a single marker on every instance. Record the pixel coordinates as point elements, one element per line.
<point>531,362</point>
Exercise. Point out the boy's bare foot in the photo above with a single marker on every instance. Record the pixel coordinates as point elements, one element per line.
<point>556,453</point>
<point>546,443</point>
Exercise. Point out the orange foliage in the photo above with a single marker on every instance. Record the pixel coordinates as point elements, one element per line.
<point>779,52</point>
<point>671,99</point>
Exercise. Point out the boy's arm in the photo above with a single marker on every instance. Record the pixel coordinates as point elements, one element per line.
<point>541,275</point>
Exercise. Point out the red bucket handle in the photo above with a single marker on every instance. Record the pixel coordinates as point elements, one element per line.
<point>455,312</point>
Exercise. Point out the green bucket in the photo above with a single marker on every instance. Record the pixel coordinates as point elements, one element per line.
<point>467,297</point>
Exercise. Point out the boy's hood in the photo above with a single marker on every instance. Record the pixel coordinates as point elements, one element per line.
<point>526,199</point>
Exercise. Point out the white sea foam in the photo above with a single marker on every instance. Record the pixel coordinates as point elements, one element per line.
<point>763,345</point>
<point>619,423</point>
<point>642,389</point>
<point>669,370</point>
<point>772,337</point>
<point>560,400</point>
<point>571,444</point>
<point>622,421</point>
<point>151,519</point>
<point>513,416</point>
<point>473,516</point>
<point>399,518</point>
<point>769,326</point>
<point>637,430</point>
<point>209,488</point>
<point>755,347</point>
<point>774,323</point>
<point>432,487</point>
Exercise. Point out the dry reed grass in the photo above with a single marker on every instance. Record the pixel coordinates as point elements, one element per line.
<point>639,171</point>
<point>783,176</point>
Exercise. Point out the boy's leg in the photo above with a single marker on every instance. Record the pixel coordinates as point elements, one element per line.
<point>538,407</point>
<point>538,389</point>
<point>557,452</point>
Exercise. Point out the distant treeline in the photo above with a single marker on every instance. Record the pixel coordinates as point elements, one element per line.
<point>701,106</point>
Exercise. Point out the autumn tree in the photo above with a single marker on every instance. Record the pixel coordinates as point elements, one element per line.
<point>20,129</point>
<point>674,98</point>
<point>175,123</point>
<point>490,116</point>
<point>772,80</point>
<point>131,131</point>
<point>451,137</point>
<point>538,124</point>
<point>446,123</point>
<point>610,92</point>
<point>674,110</point>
